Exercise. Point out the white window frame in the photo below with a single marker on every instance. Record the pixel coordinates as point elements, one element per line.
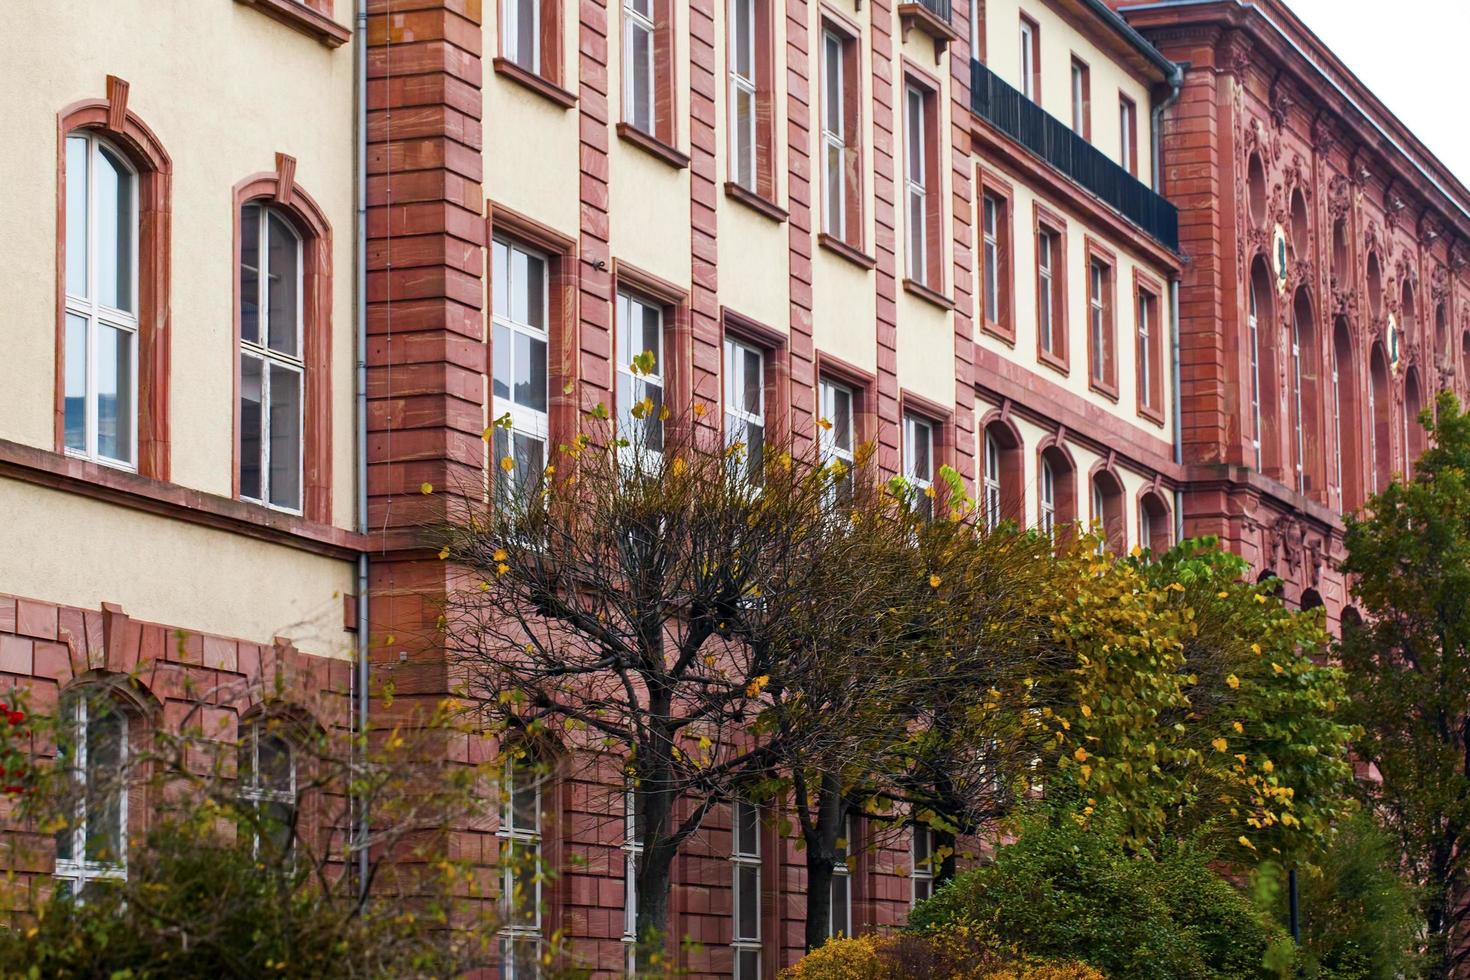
<point>1079,98</point>
<point>990,209</point>
<point>95,313</point>
<point>524,420</point>
<point>736,415</point>
<point>271,359</point>
<point>253,793</point>
<point>1127,132</point>
<point>636,21</point>
<point>1028,62</point>
<point>513,838</point>
<point>916,191</point>
<point>1048,497</point>
<point>916,428</point>
<point>829,438</point>
<point>746,85</point>
<point>1099,507</point>
<point>626,302</point>
<point>1145,525</point>
<point>1145,352</point>
<point>834,141</point>
<point>976,28</point>
<point>632,849</point>
<point>510,34</point>
<point>1255,354</point>
<point>842,884</point>
<point>992,481</point>
<point>921,874</point>
<point>1046,312</point>
<point>747,858</point>
<point>78,870</point>
<point>1097,276</point>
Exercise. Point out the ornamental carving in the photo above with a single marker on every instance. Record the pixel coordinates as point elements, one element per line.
<point>1439,284</point>
<point>1293,549</point>
<point>1324,136</point>
<point>1458,257</point>
<point>1280,104</point>
<point>1235,53</point>
<point>1339,196</point>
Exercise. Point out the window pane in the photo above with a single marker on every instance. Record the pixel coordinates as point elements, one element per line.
<point>916,234</point>
<point>744,38</point>
<point>653,426</point>
<point>501,352</point>
<point>524,813</point>
<point>501,449</point>
<point>535,292</point>
<point>653,336</point>
<point>115,393</point>
<point>250,273</point>
<point>106,729</point>
<point>530,458</point>
<point>285,436</point>
<point>282,275</point>
<point>526,41</point>
<point>842,418</point>
<point>274,771</point>
<point>747,917</point>
<point>530,368</point>
<point>835,191</point>
<point>500,278</point>
<point>916,136</point>
<point>747,823</point>
<point>840,885</point>
<point>747,964</point>
<point>75,400</point>
<point>252,383</point>
<point>76,215</point>
<point>114,232</point>
<point>640,65</point>
<point>644,7</point>
<point>743,138</point>
<point>832,83</point>
<point>752,387</point>
<point>524,861</point>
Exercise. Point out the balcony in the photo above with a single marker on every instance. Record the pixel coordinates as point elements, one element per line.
<point>931,17</point>
<point>1054,142</point>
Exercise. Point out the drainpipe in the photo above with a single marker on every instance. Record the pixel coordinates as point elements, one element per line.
<point>1175,82</point>
<point>360,678</point>
<point>1178,397</point>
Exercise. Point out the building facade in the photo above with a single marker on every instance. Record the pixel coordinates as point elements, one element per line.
<point>1325,298</point>
<point>260,325</point>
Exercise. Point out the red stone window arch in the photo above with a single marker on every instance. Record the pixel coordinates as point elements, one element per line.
<point>1155,525</point>
<point>283,345</point>
<point>1414,433</point>
<point>1380,428</point>
<point>1265,402</point>
<point>1107,508</point>
<point>1002,498</point>
<point>112,357</point>
<point>1056,489</point>
<point>1305,390</point>
<point>1347,459</point>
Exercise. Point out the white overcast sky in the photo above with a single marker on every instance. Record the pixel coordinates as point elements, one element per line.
<point>1412,54</point>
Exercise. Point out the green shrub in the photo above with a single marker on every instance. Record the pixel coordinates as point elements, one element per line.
<point>1063,891</point>
<point>948,953</point>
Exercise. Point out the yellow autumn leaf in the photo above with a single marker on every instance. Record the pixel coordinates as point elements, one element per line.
<point>699,409</point>
<point>1220,744</point>
<point>507,464</point>
<point>1233,682</point>
<point>502,568</point>
<point>934,581</point>
<point>499,554</point>
<point>426,488</point>
<point>1269,766</point>
<point>1080,755</point>
<point>1245,842</point>
<point>756,685</point>
<point>1087,711</point>
<point>678,466</point>
<point>1277,667</point>
<point>824,424</point>
<point>443,552</point>
<point>1239,728</point>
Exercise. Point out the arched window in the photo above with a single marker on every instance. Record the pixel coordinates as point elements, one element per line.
<point>521,833</point>
<point>1056,489</point>
<point>1408,317</point>
<point>1375,288</point>
<point>1305,396</point>
<point>1264,399</point>
<point>1107,510</point>
<point>283,359</point>
<point>1311,599</point>
<point>992,482</point>
<point>1002,476</point>
<point>1442,352</point>
<point>268,787</point>
<point>1347,461</point>
<point>94,751</point>
<point>113,251</point>
<point>1413,431</point>
<point>1380,428</point>
<point>1154,532</point>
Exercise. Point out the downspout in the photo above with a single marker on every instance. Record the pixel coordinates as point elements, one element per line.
<point>360,679</point>
<point>1178,397</point>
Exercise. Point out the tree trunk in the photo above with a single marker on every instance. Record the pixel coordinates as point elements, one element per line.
<point>653,812</point>
<point>652,881</point>
<point>821,857</point>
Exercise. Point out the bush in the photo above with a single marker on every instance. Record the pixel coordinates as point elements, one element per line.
<point>948,953</point>
<point>1060,890</point>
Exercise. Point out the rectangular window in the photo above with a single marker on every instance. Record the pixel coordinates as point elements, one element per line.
<point>991,497</point>
<point>1101,347</point>
<point>918,461</point>
<point>747,59</point>
<point>916,181</point>
<point>1081,99</point>
<point>922,875</point>
<point>267,780</point>
<point>640,77</point>
<point>977,29</point>
<point>520,33</point>
<point>1048,498</point>
<point>841,173</point>
<point>639,350</point>
<point>746,868</point>
<point>836,435</point>
<point>995,256</point>
<point>1051,291</point>
<point>1150,355</point>
<point>1128,135</point>
<point>745,404</point>
<point>520,875</point>
<point>1030,59</point>
<point>519,286</point>
<point>100,393</point>
<point>632,849</point>
<point>95,754</point>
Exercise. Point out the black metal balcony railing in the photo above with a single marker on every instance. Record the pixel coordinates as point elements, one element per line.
<point>939,8</point>
<point>1053,141</point>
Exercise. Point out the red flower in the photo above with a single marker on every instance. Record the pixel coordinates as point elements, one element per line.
<point>16,717</point>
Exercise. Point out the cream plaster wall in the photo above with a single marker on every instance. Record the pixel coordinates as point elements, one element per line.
<point>1060,40</point>
<point>1023,299</point>
<point>531,155</point>
<point>844,297</point>
<point>77,551</point>
<point>648,200</point>
<point>223,88</point>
